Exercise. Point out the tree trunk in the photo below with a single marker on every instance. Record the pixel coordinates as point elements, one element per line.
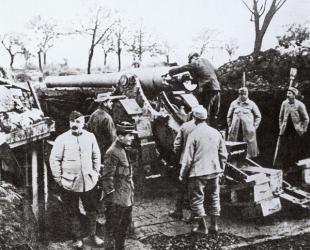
<point>119,51</point>
<point>119,59</point>
<point>258,42</point>
<point>140,46</point>
<point>167,59</point>
<point>11,60</point>
<point>105,59</point>
<point>44,58</point>
<point>40,61</point>
<point>90,58</point>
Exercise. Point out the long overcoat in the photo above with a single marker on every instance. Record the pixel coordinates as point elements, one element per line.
<point>248,116</point>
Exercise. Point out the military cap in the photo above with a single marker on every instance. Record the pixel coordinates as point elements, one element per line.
<point>293,90</point>
<point>74,115</point>
<point>126,128</point>
<point>200,112</point>
<point>243,90</point>
<point>191,55</point>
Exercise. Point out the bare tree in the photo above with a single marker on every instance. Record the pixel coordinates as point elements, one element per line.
<point>119,35</point>
<point>13,45</point>
<point>45,35</point>
<point>98,27</point>
<point>27,55</point>
<point>231,47</point>
<point>115,42</point>
<point>257,10</point>
<point>108,47</point>
<point>164,48</point>
<point>141,42</point>
<point>204,40</point>
<point>136,46</point>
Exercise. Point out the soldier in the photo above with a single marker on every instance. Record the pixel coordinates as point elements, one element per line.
<point>179,146</point>
<point>101,124</point>
<point>208,91</point>
<point>203,163</point>
<point>243,119</point>
<point>293,123</point>
<point>75,164</point>
<point>118,186</point>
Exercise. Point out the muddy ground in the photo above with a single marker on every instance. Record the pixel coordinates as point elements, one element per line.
<point>156,230</point>
<point>288,229</point>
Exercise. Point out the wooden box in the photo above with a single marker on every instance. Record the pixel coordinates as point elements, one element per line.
<point>305,170</point>
<point>264,208</point>
<point>275,176</point>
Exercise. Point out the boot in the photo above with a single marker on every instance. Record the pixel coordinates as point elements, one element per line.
<point>202,226</point>
<point>78,244</point>
<point>213,229</point>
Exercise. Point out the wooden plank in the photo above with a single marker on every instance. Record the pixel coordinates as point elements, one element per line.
<point>34,175</point>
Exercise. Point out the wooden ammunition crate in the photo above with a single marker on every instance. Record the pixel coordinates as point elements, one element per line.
<point>263,208</point>
<point>242,194</point>
<point>275,176</point>
<point>304,165</point>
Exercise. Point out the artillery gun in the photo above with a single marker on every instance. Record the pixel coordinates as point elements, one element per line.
<point>158,104</point>
<point>155,103</point>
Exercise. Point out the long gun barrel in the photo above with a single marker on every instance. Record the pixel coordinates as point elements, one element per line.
<point>150,78</point>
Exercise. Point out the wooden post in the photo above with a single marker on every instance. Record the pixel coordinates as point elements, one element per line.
<point>34,175</point>
<point>45,184</point>
<point>293,73</point>
<point>243,80</point>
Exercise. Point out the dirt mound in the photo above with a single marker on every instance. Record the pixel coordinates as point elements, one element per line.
<point>268,70</point>
<point>16,226</point>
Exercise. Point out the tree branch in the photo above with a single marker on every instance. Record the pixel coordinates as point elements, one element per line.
<point>261,12</point>
<point>248,7</point>
<point>104,33</point>
<point>280,4</point>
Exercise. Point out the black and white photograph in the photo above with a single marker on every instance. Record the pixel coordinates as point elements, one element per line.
<point>154,124</point>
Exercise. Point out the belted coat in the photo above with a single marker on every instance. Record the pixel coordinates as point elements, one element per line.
<point>248,116</point>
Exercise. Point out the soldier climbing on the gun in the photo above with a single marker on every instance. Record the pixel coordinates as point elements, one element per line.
<point>208,91</point>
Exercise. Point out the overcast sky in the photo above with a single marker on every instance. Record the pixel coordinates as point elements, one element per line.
<point>174,20</point>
